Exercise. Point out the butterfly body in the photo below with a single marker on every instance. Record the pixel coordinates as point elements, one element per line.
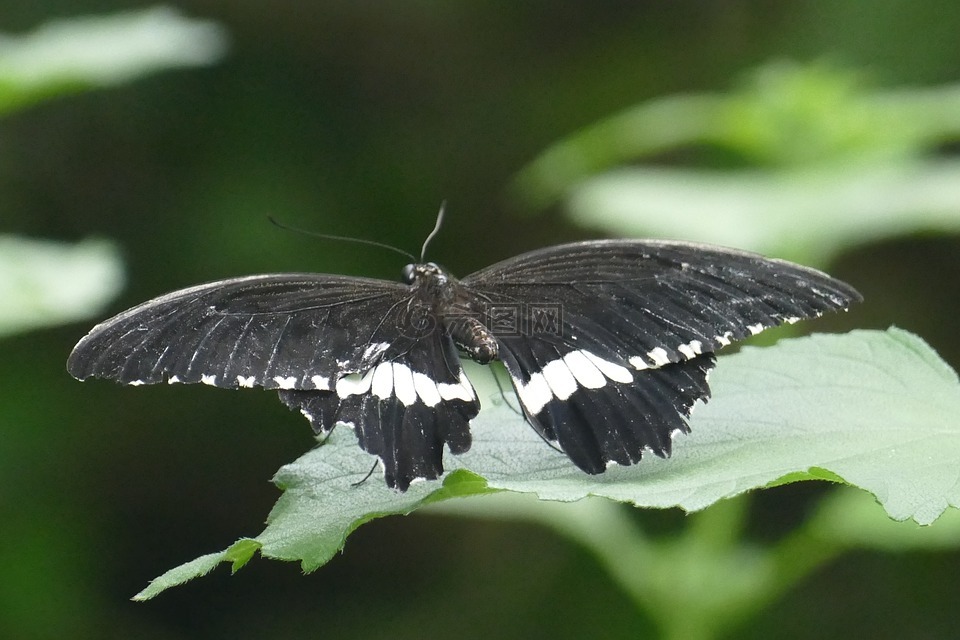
<point>608,344</point>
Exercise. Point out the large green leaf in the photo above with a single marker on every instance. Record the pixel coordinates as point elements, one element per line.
<point>878,410</point>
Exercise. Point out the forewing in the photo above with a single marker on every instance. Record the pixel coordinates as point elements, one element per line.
<point>286,331</point>
<point>648,302</point>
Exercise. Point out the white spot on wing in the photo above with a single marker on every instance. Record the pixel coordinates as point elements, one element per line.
<point>135,383</point>
<point>403,384</point>
<point>638,363</point>
<point>560,378</point>
<point>586,373</point>
<point>306,414</point>
<point>561,381</point>
<point>289,382</point>
<point>535,394</point>
<point>353,384</point>
<point>426,389</point>
<point>382,384</point>
<point>173,380</point>
<point>246,381</point>
<point>725,339</point>
<point>210,380</point>
<point>755,328</point>
<point>659,357</point>
<point>320,382</point>
<point>612,370</point>
<point>457,391</point>
<point>691,350</point>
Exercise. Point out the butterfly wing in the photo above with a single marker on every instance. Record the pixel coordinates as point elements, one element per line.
<point>609,343</point>
<point>598,410</point>
<point>285,331</point>
<point>403,411</point>
<point>352,350</point>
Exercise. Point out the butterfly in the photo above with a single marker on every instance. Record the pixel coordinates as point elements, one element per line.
<point>608,344</point>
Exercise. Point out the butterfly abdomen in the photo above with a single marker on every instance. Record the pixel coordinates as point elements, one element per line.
<point>473,337</point>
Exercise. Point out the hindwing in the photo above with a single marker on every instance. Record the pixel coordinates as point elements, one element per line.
<point>403,410</point>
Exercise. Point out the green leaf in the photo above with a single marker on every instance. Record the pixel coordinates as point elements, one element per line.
<point>44,283</point>
<point>879,410</point>
<point>808,214</point>
<point>240,553</point>
<point>184,573</point>
<point>311,521</point>
<point>784,115</point>
<point>831,163</point>
<point>70,55</point>
<point>237,554</point>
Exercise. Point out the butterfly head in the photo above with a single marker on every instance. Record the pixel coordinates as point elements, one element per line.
<point>424,272</point>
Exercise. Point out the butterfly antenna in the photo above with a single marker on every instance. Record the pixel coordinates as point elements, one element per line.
<point>436,229</point>
<point>327,236</point>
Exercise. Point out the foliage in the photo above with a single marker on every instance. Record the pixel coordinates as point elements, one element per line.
<point>44,283</point>
<point>824,163</point>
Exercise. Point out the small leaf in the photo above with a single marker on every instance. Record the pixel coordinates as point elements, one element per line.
<point>178,575</point>
<point>878,409</point>
<point>240,553</point>
<point>69,55</point>
<point>44,283</point>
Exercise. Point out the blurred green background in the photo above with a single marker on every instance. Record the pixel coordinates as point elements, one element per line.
<point>358,118</point>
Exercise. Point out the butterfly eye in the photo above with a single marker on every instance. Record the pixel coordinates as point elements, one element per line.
<point>409,274</point>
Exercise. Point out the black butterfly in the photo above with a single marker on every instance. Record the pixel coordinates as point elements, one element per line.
<point>608,344</point>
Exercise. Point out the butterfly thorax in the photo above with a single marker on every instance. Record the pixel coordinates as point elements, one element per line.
<point>452,306</point>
